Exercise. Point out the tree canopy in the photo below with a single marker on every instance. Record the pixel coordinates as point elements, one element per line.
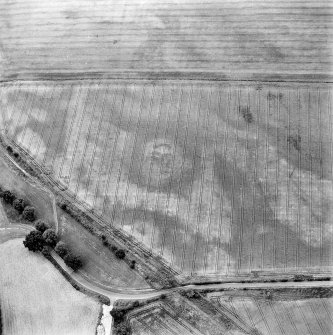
<point>73,261</point>
<point>50,237</point>
<point>19,205</point>
<point>41,225</point>
<point>8,197</point>
<point>61,249</point>
<point>29,213</point>
<point>34,241</point>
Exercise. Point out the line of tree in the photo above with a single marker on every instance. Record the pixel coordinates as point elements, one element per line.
<point>71,260</point>
<point>28,212</point>
<point>44,239</point>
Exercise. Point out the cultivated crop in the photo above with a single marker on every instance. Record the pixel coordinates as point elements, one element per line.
<point>308,316</point>
<point>183,168</point>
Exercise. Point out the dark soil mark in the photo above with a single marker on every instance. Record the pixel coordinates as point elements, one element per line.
<point>246,113</point>
<point>253,224</point>
<point>295,141</point>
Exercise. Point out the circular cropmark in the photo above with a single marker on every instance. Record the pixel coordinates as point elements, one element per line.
<point>162,161</point>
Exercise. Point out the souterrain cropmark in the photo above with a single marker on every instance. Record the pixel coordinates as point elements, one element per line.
<point>206,175</point>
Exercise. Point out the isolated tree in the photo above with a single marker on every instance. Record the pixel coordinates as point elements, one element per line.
<point>132,265</point>
<point>19,205</point>
<point>73,261</point>
<point>50,237</point>
<point>41,225</point>
<point>61,249</point>
<point>120,254</point>
<point>8,197</point>
<point>34,241</point>
<point>29,213</point>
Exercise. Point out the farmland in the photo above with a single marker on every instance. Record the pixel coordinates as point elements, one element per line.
<point>276,317</point>
<point>182,168</point>
<point>176,315</point>
<point>188,147</point>
<point>158,322</point>
<point>223,39</point>
<point>36,299</point>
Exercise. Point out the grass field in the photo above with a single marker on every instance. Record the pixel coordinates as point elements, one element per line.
<point>293,317</point>
<point>100,264</point>
<point>37,300</point>
<point>218,38</point>
<point>32,194</point>
<point>177,166</point>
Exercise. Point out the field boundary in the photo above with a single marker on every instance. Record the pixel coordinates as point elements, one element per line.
<point>168,75</point>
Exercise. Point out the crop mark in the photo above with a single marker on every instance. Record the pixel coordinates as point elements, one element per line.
<point>136,131</point>
<point>123,152</point>
<point>175,231</point>
<point>105,147</point>
<point>165,223</point>
<point>97,137</point>
<point>27,101</point>
<point>9,118</point>
<point>175,145</point>
<point>185,245</point>
<point>120,116</point>
<point>147,135</point>
<point>68,136</point>
<point>158,123</point>
<point>83,159</point>
<point>45,127</point>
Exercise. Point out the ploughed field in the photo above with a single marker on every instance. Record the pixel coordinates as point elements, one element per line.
<point>276,317</point>
<point>219,178</point>
<point>231,38</point>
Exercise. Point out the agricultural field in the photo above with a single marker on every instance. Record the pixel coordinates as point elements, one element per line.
<point>277,317</point>
<point>175,315</point>
<point>216,178</point>
<point>100,265</point>
<point>37,300</point>
<point>224,39</point>
<point>31,193</point>
<point>159,322</point>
